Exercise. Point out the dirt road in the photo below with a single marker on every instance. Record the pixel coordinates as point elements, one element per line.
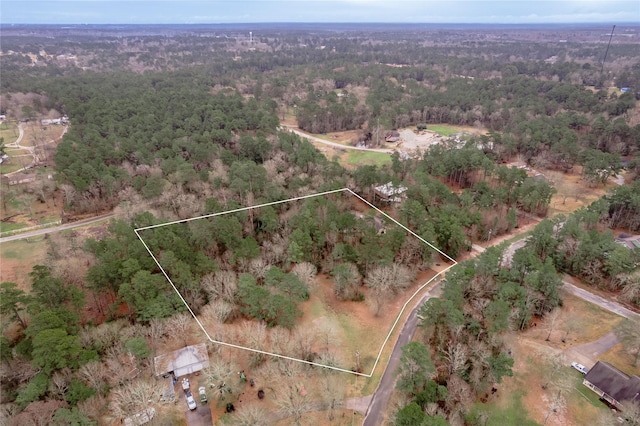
<point>335,144</point>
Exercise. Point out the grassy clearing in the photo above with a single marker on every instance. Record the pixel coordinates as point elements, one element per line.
<point>360,158</point>
<point>8,168</point>
<point>618,357</point>
<point>54,218</point>
<point>9,132</point>
<point>8,226</point>
<point>19,258</point>
<point>583,402</point>
<point>443,129</point>
<point>594,321</point>
<point>16,151</point>
<point>513,413</point>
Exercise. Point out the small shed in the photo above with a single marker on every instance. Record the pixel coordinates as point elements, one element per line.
<point>183,361</point>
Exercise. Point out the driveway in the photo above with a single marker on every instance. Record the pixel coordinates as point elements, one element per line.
<point>201,416</point>
<point>589,353</point>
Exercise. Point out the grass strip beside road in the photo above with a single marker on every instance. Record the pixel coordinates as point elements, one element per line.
<point>360,158</point>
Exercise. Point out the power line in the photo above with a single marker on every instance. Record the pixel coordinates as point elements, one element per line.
<point>605,55</point>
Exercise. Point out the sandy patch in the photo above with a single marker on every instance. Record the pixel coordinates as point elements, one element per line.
<point>414,140</point>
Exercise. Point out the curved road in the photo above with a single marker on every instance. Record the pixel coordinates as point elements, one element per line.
<point>382,395</point>
<point>58,228</point>
<point>335,144</point>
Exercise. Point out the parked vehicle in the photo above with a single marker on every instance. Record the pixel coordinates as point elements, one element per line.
<point>203,394</point>
<point>191,402</point>
<point>581,368</point>
<point>185,384</point>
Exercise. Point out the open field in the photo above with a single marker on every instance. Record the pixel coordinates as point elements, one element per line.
<point>508,411</point>
<point>572,191</point>
<point>17,258</point>
<point>10,166</point>
<point>9,131</point>
<point>27,211</point>
<point>36,135</point>
<point>360,158</point>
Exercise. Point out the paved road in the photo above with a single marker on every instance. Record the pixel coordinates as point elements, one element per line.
<point>387,384</point>
<point>382,395</point>
<point>337,145</point>
<point>609,305</point>
<point>58,228</point>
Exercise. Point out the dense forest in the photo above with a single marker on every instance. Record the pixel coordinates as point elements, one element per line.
<point>187,123</point>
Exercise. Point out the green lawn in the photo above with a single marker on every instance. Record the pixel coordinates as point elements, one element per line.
<point>8,168</point>
<point>7,226</point>
<point>9,132</point>
<point>360,158</point>
<point>442,129</point>
<point>513,414</point>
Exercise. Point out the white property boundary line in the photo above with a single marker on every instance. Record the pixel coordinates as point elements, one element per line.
<point>375,364</point>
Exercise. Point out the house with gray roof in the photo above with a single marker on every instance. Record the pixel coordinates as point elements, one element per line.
<point>612,385</point>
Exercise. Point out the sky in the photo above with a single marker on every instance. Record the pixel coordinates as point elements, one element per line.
<point>258,11</point>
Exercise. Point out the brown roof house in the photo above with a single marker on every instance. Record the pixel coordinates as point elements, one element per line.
<point>183,361</point>
<point>613,385</point>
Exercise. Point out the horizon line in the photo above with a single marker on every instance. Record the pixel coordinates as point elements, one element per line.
<point>632,23</point>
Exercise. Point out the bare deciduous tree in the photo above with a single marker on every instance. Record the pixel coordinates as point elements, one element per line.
<point>39,413</point>
<point>219,375</point>
<point>386,281</point>
<point>218,311</point>
<point>221,285</point>
<point>550,322</point>
<point>181,323</point>
<point>94,407</point>
<point>94,374</point>
<point>59,383</point>
<point>292,403</point>
<point>251,415</point>
<point>135,397</point>
<point>333,392</point>
<point>258,267</point>
<point>306,272</point>
<point>630,284</point>
<point>457,356</point>
<point>280,339</point>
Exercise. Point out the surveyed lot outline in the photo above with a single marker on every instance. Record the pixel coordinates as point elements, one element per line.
<point>320,194</point>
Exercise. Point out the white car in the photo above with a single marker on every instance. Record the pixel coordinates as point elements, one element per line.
<point>191,402</point>
<point>581,368</point>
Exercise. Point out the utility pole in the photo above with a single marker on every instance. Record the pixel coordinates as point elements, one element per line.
<point>601,82</point>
